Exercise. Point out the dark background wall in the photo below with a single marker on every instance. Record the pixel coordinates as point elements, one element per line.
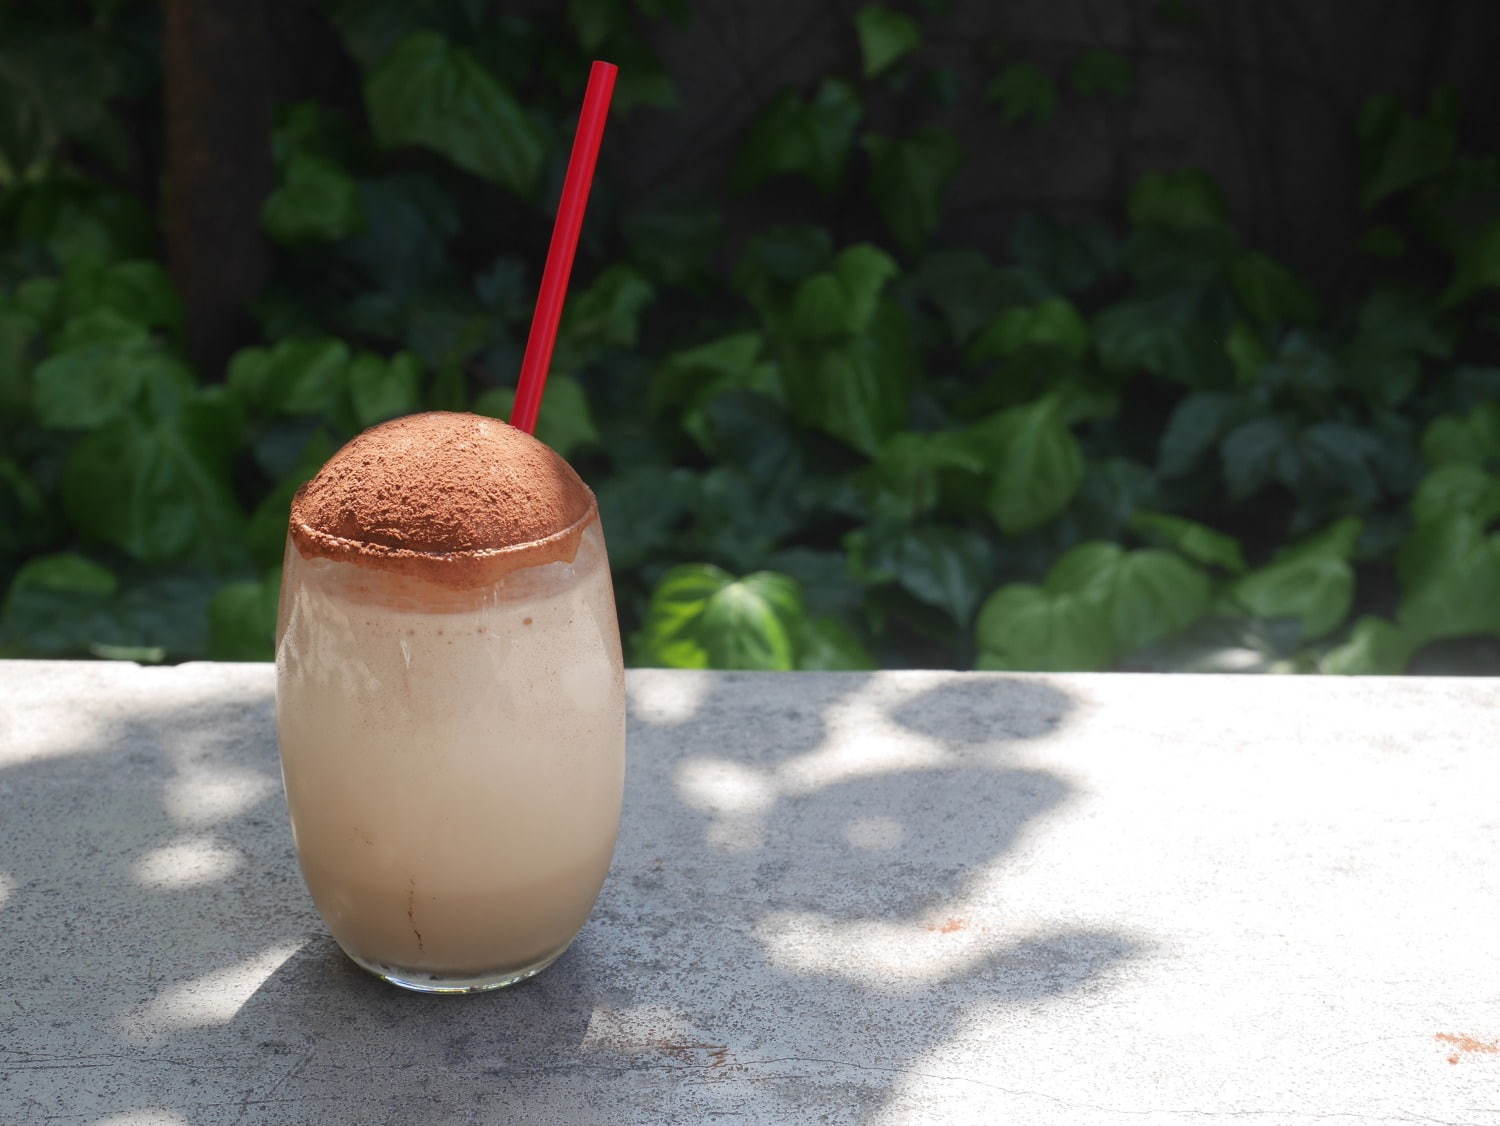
<point>1263,94</point>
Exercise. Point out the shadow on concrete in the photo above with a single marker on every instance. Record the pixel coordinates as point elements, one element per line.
<point>803,904</point>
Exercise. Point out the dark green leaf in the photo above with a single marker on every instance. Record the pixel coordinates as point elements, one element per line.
<point>605,316</point>
<point>907,179</point>
<point>1477,265</point>
<point>1456,489</point>
<point>640,508</point>
<point>564,422</point>
<point>1270,292</point>
<point>1311,582</point>
<point>1182,199</point>
<point>1375,647</point>
<point>1145,595</point>
<point>1198,542</point>
<point>843,300</point>
<point>691,377</point>
<point>1025,90</point>
<point>1401,150</point>
<point>1102,72</point>
<point>429,93</point>
<point>944,567</point>
<point>1024,627</point>
<point>158,491</point>
<point>1072,256</point>
<point>298,376</point>
<point>673,246</point>
<point>242,620</point>
<point>856,391</point>
<point>1457,592</point>
<point>316,201</point>
<point>1254,453</point>
<point>1034,462</point>
<point>1196,425</point>
<point>266,534</point>
<point>1473,439</point>
<point>969,291</point>
<point>1051,327</point>
<point>825,645</point>
<point>884,36</point>
<point>903,479</point>
<point>383,388</point>
<point>810,138</point>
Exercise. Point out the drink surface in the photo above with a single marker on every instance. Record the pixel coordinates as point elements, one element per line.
<point>453,761</point>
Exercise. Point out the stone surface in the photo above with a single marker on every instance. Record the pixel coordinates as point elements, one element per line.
<point>898,897</point>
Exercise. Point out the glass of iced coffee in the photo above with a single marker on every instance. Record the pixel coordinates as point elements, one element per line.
<point>450,701</point>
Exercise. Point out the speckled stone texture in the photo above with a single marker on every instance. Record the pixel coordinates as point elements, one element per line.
<point>898,897</point>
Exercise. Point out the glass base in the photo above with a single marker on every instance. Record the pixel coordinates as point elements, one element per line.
<point>424,981</point>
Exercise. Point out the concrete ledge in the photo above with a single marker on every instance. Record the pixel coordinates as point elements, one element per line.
<point>895,897</point>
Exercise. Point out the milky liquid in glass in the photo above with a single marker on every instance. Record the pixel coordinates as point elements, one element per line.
<point>453,761</point>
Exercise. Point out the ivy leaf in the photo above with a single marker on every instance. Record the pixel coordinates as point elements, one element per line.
<point>1374,647</point>
<point>884,36</point>
<point>1071,256</point>
<point>1456,592</point>
<point>1144,595</point>
<point>1164,334</point>
<point>58,604</point>
<point>700,616</point>
<point>796,137</point>
<point>242,619</point>
<point>1052,327</point>
<point>844,300</point>
<point>382,388</point>
<point>434,95</point>
<point>1184,199</point>
<point>1034,463</point>
<point>604,317</point>
<point>303,375</point>
<point>1401,150</point>
<point>1025,90</point>
<point>1476,265</point>
<point>1311,582</point>
<point>1102,72</point>
<point>944,567</point>
<point>1270,292</point>
<point>1024,627</point>
<point>1393,335</point>
<point>1255,452</point>
<point>969,291</point>
<point>316,201</point>
<point>857,389</point>
<point>903,478</point>
<point>161,490</point>
<point>565,422</point>
<point>907,179</point>
<point>674,247</point>
<point>267,530</point>
<point>826,645</point>
<point>1457,489</point>
<point>640,509</point>
<point>1472,439</point>
<point>692,377</point>
<point>1195,427</point>
<point>1198,542</point>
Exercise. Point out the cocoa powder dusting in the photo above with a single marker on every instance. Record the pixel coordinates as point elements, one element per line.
<point>457,499</point>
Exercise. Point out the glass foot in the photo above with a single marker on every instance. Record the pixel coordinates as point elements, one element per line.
<point>425,981</point>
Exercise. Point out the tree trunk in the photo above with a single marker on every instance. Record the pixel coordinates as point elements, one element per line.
<point>216,56</point>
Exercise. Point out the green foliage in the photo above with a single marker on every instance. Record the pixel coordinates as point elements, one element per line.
<point>852,440</point>
<point>429,93</point>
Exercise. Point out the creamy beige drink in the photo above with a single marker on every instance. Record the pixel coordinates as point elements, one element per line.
<point>450,701</point>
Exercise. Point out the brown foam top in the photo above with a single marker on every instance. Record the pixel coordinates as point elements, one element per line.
<point>456,499</point>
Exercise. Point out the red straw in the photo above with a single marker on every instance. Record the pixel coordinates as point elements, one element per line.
<point>554,290</point>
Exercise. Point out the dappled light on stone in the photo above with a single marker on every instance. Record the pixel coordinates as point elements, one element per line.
<point>667,702</point>
<point>204,795</point>
<point>212,999</point>
<point>155,1116</point>
<point>187,862</point>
